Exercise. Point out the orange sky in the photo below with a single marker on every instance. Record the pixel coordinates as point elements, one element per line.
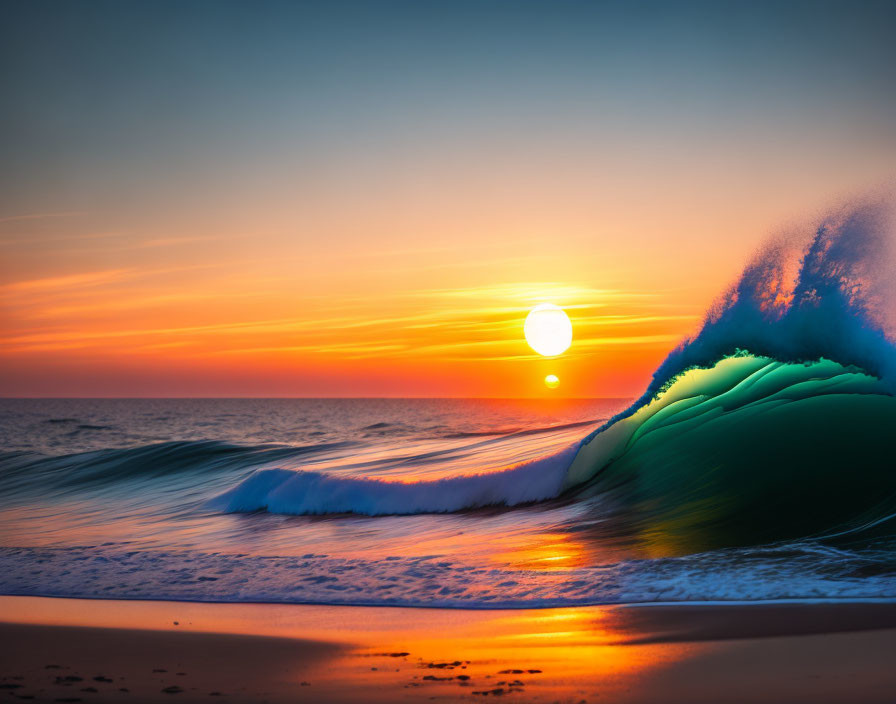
<point>359,203</point>
<point>91,309</point>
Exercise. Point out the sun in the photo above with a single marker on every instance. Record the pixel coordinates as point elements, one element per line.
<point>551,381</point>
<point>548,330</point>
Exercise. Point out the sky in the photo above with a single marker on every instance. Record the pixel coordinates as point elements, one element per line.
<point>365,199</point>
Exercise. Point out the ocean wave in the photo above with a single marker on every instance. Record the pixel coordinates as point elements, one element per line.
<point>521,432</point>
<point>781,406</point>
<point>809,443</point>
<point>23,472</point>
<point>300,492</point>
<point>830,295</point>
<point>784,394</point>
<point>749,451</point>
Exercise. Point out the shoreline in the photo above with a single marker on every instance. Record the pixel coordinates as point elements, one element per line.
<point>810,652</point>
<point>819,601</point>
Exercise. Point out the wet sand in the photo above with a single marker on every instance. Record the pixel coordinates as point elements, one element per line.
<point>87,650</point>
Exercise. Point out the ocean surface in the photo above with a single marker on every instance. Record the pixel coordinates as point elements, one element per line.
<point>757,465</point>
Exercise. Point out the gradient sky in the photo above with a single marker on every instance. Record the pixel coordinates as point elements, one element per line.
<point>365,199</point>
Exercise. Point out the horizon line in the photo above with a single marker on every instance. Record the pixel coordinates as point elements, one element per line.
<point>315,398</point>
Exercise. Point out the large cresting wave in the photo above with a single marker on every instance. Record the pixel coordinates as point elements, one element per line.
<point>775,420</point>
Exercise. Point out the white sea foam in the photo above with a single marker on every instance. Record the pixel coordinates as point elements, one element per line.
<point>829,293</point>
<point>300,492</point>
<point>797,571</point>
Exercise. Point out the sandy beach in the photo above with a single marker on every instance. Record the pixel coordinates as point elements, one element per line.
<point>88,650</point>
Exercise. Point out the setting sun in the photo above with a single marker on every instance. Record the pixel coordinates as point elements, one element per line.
<point>548,330</point>
<point>551,381</point>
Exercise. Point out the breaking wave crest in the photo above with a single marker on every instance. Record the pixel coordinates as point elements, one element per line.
<point>304,492</point>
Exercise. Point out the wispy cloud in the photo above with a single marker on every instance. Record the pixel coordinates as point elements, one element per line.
<point>68,281</point>
<point>47,288</point>
<point>529,292</point>
<point>43,216</point>
<point>170,241</point>
<point>133,312</point>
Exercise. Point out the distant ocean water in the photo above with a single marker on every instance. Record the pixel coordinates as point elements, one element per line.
<point>758,465</point>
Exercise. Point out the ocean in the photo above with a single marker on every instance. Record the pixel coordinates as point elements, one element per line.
<point>758,465</point>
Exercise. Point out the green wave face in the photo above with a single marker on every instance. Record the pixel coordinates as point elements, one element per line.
<point>749,451</point>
